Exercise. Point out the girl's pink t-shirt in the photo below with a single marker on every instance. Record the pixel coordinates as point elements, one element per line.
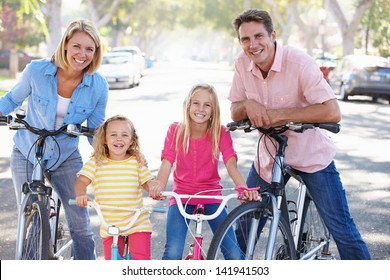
<point>197,171</point>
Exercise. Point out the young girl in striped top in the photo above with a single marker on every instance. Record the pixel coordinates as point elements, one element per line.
<point>118,174</point>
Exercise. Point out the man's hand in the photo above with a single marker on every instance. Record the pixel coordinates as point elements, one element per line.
<point>257,114</point>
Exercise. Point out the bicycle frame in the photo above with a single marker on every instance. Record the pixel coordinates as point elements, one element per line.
<point>115,231</point>
<point>199,217</point>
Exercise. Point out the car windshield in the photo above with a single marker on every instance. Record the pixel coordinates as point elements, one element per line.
<point>115,60</point>
<point>371,61</point>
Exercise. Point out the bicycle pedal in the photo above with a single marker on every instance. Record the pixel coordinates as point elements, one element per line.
<point>326,256</point>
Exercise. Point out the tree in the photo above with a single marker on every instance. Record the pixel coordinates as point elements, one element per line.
<point>375,27</point>
<point>52,12</point>
<point>348,30</point>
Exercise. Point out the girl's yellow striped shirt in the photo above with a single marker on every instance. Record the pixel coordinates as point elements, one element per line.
<point>118,183</point>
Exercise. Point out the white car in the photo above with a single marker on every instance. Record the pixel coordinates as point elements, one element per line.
<point>120,70</point>
<point>139,56</point>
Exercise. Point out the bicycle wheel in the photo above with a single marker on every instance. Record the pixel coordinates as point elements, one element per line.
<point>254,217</point>
<point>313,233</point>
<point>36,234</point>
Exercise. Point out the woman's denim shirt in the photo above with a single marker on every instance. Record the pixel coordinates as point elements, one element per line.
<point>38,83</point>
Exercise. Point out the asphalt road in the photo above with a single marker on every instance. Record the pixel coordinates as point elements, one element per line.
<point>362,158</point>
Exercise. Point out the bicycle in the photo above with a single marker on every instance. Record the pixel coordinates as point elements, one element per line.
<point>196,251</point>
<point>42,231</point>
<point>115,231</point>
<point>280,226</point>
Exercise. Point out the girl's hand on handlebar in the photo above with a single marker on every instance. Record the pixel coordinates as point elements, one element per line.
<point>82,200</point>
<point>247,194</point>
<point>155,189</point>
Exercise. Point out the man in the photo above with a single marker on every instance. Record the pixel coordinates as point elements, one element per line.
<point>276,84</point>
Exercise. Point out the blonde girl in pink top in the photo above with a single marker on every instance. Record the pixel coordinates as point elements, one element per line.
<point>194,146</point>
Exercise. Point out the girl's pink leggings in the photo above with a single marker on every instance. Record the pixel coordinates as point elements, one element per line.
<point>139,244</point>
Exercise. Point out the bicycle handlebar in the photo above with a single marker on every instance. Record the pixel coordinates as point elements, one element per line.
<point>137,211</point>
<point>297,127</point>
<point>202,217</point>
<point>72,130</point>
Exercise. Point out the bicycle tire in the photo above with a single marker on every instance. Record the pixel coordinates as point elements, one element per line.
<point>312,232</point>
<point>259,212</point>
<point>36,232</point>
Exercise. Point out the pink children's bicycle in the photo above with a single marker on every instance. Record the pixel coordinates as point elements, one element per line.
<point>196,251</point>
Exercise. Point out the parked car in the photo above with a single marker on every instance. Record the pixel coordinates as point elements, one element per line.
<point>120,70</point>
<point>361,75</point>
<point>24,58</point>
<point>326,64</point>
<point>139,56</point>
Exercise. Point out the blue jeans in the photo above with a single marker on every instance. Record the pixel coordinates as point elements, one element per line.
<point>63,180</point>
<point>329,196</point>
<point>176,231</point>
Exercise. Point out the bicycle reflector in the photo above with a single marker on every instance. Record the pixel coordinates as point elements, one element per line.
<point>113,230</point>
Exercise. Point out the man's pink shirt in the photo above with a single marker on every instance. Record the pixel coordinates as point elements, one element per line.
<point>293,81</point>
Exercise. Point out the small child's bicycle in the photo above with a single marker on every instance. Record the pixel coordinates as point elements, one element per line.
<point>196,251</point>
<point>116,231</point>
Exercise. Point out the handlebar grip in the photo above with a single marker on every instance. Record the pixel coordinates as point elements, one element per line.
<point>159,209</point>
<point>332,127</point>
<point>72,201</point>
<point>232,126</point>
<point>5,120</point>
<point>87,130</point>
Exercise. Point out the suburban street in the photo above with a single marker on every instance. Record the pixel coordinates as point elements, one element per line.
<point>363,156</point>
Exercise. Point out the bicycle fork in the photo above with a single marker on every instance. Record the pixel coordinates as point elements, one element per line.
<point>196,247</point>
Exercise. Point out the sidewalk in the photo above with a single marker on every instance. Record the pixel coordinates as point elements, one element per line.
<point>7,84</point>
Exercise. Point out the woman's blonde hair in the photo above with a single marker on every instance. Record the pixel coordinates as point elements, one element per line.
<point>214,124</point>
<point>99,141</point>
<point>86,26</point>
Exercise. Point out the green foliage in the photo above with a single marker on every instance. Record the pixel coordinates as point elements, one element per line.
<point>376,23</point>
<point>22,24</point>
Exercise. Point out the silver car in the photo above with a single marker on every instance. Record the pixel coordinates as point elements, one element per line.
<point>139,57</point>
<point>361,75</point>
<point>120,70</point>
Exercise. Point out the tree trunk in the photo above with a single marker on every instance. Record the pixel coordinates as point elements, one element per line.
<point>53,18</point>
<point>348,30</point>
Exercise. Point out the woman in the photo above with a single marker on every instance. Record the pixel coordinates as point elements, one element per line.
<point>62,90</point>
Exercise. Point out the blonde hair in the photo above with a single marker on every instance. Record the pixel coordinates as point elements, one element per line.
<point>214,124</point>
<point>99,141</point>
<point>86,26</point>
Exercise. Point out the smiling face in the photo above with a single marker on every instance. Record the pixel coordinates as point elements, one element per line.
<point>201,107</point>
<point>80,50</point>
<point>257,44</point>
<point>118,139</point>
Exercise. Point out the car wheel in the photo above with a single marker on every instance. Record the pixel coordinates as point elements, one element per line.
<point>343,94</point>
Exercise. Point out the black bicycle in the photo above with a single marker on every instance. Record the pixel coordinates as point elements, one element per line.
<point>42,230</point>
<point>285,224</point>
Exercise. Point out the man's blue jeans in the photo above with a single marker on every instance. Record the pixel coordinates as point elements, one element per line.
<point>176,231</point>
<point>329,196</point>
<point>63,180</point>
